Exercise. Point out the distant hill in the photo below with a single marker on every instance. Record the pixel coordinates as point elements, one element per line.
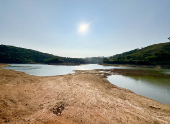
<point>93,60</point>
<point>153,54</point>
<point>12,54</point>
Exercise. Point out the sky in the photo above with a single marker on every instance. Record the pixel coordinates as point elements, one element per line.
<point>84,28</point>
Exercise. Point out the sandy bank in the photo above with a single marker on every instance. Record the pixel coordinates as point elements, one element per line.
<point>82,98</point>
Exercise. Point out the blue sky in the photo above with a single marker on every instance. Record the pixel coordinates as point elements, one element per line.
<point>114,26</point>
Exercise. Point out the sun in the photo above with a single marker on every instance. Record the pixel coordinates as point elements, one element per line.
<point>83,28</point>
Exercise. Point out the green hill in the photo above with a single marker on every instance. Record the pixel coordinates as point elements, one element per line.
<point>154,54</point>
<point>123,54</point>
<point>12,54</point>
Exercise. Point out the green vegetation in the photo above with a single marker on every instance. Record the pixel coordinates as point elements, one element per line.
<point>93,60</point>
<point>65,61</point>
<point>11,54</point>
<point>151,55</point>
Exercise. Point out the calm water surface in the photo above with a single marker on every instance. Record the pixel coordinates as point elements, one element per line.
<point>152,87</point>
<point>51,70</point>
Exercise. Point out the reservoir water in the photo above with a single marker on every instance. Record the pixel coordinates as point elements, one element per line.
<point>154,88</point>
<point>51,70</point>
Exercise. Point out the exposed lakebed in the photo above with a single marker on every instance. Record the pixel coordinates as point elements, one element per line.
<point>156,88</point>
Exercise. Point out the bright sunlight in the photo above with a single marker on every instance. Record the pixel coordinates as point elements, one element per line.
<point>83,28</point>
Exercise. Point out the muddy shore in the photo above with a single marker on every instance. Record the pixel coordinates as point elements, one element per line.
<point>139,66</point>
<point>85,97</point>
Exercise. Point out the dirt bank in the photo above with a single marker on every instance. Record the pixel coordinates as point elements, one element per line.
<point>82,98</point>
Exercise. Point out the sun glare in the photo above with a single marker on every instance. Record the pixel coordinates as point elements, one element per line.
<point>83,28</point>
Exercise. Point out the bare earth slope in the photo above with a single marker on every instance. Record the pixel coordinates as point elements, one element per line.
<point>81,98</point>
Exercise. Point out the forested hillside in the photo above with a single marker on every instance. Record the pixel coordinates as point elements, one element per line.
<point>65,61</point>
<point>154,54</point>
<point>12,54</point>
<point>123,54</point>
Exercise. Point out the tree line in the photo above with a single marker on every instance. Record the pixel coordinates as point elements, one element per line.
<point>151,55</point>
<point>12,54</point>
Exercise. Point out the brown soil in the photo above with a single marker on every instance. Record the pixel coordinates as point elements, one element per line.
<point>81,98</point>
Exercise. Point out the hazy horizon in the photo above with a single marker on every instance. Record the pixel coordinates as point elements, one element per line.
<point>84,28</point>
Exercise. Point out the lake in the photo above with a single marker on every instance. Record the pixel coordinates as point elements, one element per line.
<point>154,88</point>
<point>51,70</point>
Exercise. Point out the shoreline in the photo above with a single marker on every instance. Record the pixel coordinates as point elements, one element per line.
<point>68,64</point>
<point>82,98</point>
<point>139,66</point>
